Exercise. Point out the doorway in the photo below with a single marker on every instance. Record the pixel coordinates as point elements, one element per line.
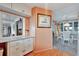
<point>66,36</point>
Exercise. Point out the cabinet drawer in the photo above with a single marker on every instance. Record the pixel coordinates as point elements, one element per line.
<point>11,44</point>
<point>15,43</point>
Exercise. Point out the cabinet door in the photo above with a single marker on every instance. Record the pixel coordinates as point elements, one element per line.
<point>15,48</point>
<point>28,46</point>
<point>11,50</point>
<point>25,45</point>
<point>19,47</point>
<point>6,4</point>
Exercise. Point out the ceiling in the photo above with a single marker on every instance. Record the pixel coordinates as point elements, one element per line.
<point>61,10</point>
<point>53,6</point>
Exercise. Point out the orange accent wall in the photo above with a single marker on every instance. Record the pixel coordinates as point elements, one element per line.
<point>43,36</point>
<point>27,24</point>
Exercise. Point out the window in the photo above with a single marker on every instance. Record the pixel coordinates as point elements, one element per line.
<point>62,27</point>
<point>76,26</point>
<point>70,27</point>
<point>66,26</point>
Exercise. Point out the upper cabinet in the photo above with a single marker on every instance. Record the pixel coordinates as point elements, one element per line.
<point>23,8</point>
<point>14,6</point>
<point>6,4</point>
<point>19,7</point>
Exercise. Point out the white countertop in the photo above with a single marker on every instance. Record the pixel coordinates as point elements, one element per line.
<point>15,38</point>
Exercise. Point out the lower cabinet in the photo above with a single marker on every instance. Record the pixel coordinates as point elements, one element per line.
<point>28,46</point>
<point>20,47</point>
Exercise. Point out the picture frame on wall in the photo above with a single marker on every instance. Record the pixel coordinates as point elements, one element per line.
<point>43,21</point>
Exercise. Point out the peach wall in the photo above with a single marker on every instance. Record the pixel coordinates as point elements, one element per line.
<point>27,23</point>
<point>43,36</point>
<point>27,26</point>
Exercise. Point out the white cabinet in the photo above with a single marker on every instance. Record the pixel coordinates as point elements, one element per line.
<point>20,47</point>
<point>28,45</point>
<point>15,48</point>
<point>6,4</point>
<point>19,7</point>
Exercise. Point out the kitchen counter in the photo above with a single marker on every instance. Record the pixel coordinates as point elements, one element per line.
<point>9,39</point>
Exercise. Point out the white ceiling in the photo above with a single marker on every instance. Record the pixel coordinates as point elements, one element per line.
<point>60,10</point>
<point>53,6</point>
